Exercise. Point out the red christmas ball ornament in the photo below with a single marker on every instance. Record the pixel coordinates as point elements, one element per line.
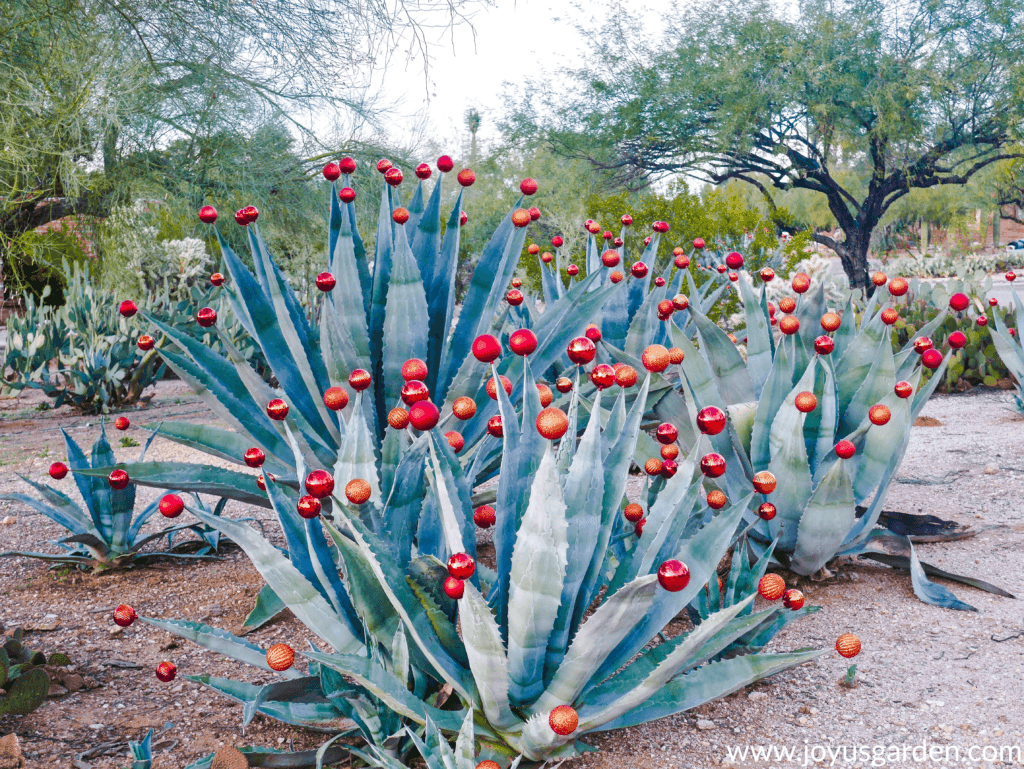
<point>308,507</point>
<point>563,384</point>
<point>454,588</point>
<point>572,270</point>
<point>673,575</point>
<point>665,309</point>
<point>698,243</point>
<point>534,213</point>
<point>801,283</point>
<point>400,215</point>
<point>206,317</point>
<point>712,465</point>
<point>767,274</point>
<point>277,410</point>
<point>655,358</point>
<point>124,615</point>
<point>217,279</point>
<point>764,482</point>
<point>166,671</point>
<point>848,645</point>
<point>1011,275</point>
<point>335,398</point>
<point>789,325</point>
<point>118,479</point>
<point>128,308</point>
<point>517,283</point>
<point>931,359</point>
<point>346,194</point>
<point>545,395</point>
<point>653,466</point>
<point>523,342</point>
<point>122,423</point>
<point>845,449</point>
<point>461,566</point>
<point>514,297</point>
<point>787,304</point>
<point>805,402</point>
<point>993,302</point>
<point>486,348</point>
<point>320,484</point>
<point>492,389</point>
<point>325,281</point>
<point>254,457</point>
<point>593,333</point>
<point>957,340</point>
<point>879,414</point>
<point>464,408</point>
<point>58,471</point>
<point>280,657</point>
<point>384,165</point>
<point>332,171</point>
<point>879,278</point>
<point>423,171</point>
<point>424,415</point>
<point>959,302</point>
<point>533,249</point>
<point>626,376</point>
<point>898,286</point>
<point>771,587</point>
<point>563,720</point>
<point>830,321</point>
<point>668,468</point>
<point>721,269</point>
<point>793,599</point>
<point>626,220</point>
<point>557,241</point>
<point>923,344</point>
<point>347,165</point>
<point>413,391</point>
<point>638,270</point>
<point>445,164</point>
<point>520,217</point>
<point>357,491</point>
<point>171,505</point>
<point>414,368</point>
<point>734,260</point>
<point>455,440</point>
<point>903,389</point>
<point>666,433</point>
<point>982,320</point>
<point>528,186</point>
<point>717,499</point>
<point>251,214</point>
<point>261,482</point>
<point>610,258</point>
<point>603,376</point>
<point>398,418</point>
<point>207,214</point>
<point>711,420</point>
<point>359,379</point>
<point>824,345</point>
<point>633,512</point>
<point>466,177</point>
<point>682,262</point>
<point>581,351</point>
<point>889,316</point>
<point>766,511</point>
<point>659,281</point>
<point>734,276</point>
<point>240,218</point>
<point>547,257</point>
<point>484,516</point>
<point>669,452</point>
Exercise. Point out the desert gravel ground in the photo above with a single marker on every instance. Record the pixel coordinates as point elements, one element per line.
<point>928,676</point>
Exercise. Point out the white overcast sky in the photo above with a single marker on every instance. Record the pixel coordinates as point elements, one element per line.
<point>513,39</point>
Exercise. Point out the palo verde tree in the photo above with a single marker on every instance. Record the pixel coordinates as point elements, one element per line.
<point>905,94</point>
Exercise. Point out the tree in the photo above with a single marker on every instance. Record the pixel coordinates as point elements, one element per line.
<point>860,101</point>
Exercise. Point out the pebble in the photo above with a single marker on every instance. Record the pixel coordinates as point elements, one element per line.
<point>757,696</point>
<point>704,725</point>
<point>990,470</point>
<point>9,520</point>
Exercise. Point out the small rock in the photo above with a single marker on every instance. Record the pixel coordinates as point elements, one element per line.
<point>990,470</point>
<point>96,726</point>
<point>757,696</point>
<point>935,703</point>
<point>9,520</point>
<point>10,753</point>
<point>115,631</point>
<point>215,610</point>
<point>803,721</point>
<point>704,724</point>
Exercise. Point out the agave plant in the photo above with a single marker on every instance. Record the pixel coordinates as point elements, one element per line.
<point>549,645</point>
<point>824,411</point>
<point>107,533</point>
<point>1006,341</point>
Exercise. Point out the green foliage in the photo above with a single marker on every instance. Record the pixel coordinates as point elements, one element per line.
<point>1006,344</point>
<point>23,681</point>
<point>565,618</point>
<point>107,533</point>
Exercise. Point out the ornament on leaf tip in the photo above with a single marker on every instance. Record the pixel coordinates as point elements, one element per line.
<point>484,516</point>
<point>528,186</point>
<point>58,471</point>
<point>982,320</point>
<point>670,451</point>
<point>320,483</point>
<point>359,379</point>
<point>552,423</point>
<point>326,282</point>
<point>668,469</point>
<point>898,286</point>
<point>957,340</point>
<point>959,302</point>
<point>879,278</point>
<point>523,341</point>
<point>764,482</point>
<point>464,408</point>
<point>831,321</point>
<point>466,177</point>
<point>128,308</point>
<point>666,433</point>
<point>766,511</point>
<point>931,359</point>
<point>563,720</point>
<point>520,217</point>
<point>771,587</point>
<point>445,164</point>
<point>414,369</point>
<point>717,499</point>
<point>461,566</point>
<point>424,415</point>
<point>347,165</point>
<point>118,480</point>
<point>400,215</point>
<point>653,466</point>
<point>398,418</point>
<point>384,165</point>
<point>414,391</point>
<point>494,427</point>
<point>638,270</point>
<point>793,599</point>
<point>308,506</point>
<point>280,657</point>
<point>626,376</point>
<point>603,376</point>
<point>486,348</point>
<point>638,527</point>
<point>610,258</point>
<point>845,449</point>
<point>581,351</point>
<point>124,615</point>
<point>171,505</point>
<point>491,387</point>
<point>335,398</point>
<point>633,512</point>
<point>455,440</point>
<point>572,270</point>
<point>534,213</point>
<point>346,194</point>
<point>357,491</point>
<point>563,384</point>
<point>122,423</point>
<point>824,345</point>
<point>767,274</point>
<point>879,414</point>
<point>805,402</point>
<point>712,465</point>
<point>332,172</point>
<point>206,317</point>
<point>789,325</point>
<point>673,575</point>
<point>207,214</point>
<point>655,358</point>
<point>545,395</point>
<point>547,257</point>
<point>277,410</point>
<point>454,588</point>
<point>711,420</point>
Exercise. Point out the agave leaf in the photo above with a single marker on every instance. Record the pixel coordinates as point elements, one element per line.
<point>368,599</point>
<point>759,336</point>
<point>734,382</point>
<point>404,502</point>
<point>853,367</point>
<point>314,713</point>
<point>356,459</point>
<point>880,380</point>
<point>89,484</point>
<point>773,395</point>
<point>539,562</point>
<point>454,498</point>
<point>268,606</point>
<point>182,476</point>
<point>487,658</point>
<point>616,315</point>
<point>216,442</point>
<point>820,424</point>
<point>877,447</point>
<point>828,517</point>
<point>928,591</point>
<point>567,449</point>
<point>383,254</point>
<point>707,683</point>
<point>441,296</point>
<point>549,279</point>
<point>57,506</point>
<point>643,325</point>
<point>789,463</point>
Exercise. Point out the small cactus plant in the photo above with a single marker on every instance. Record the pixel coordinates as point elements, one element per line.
<point>23,682</point>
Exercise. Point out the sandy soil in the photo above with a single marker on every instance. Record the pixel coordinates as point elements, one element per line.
<point>927,675</point>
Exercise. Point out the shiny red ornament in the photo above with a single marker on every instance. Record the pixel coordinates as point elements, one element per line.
<point>461,566</point>
<point>413,391</point>
<point>523,342</point>
<point>171,505</point>
<point>251,214</point>
<point>957,340</point>
<point>466,177</point>
<point>277,409</point>
<point>666,433</point>
<point>320,483</point>
<point>669,468</point>
<point>484,516</point>
<point>845,449</point>
<point>424,415</point>
<point>593,333</point>
<point>122,423</point>
<point>682,262</point>
<point>516,283</point>
<point>280,657</point>
<point>659,281</point>
<point>721,269</point>
<point>454,588</point>
<point>766,511</point>
<point>698,243</point>
<point>124,615</point>
<point>325,281</point>
<point>206,317</point>
<point>982,320</point>
<point>534,213</point>
<point>445,164</point>
<point>492,389</point>
<point>118,479</point>
<point>734,261</point>
<point>626,376</point>
<point>332,172</point>
<point>414,368</point>
<point>208,214</point>
<point>767,274</point>
<point>347,165</point>
<point>959,302</point>
<point>581,351</point>
<point>358,491</point>
<point>638,528</point>
<point>711,420</point>
<point>993,301</point>
<point>58,471</point>
<point>346,194</point>
<point>240,219</point>
<point>734,276</point>
<point>400,215</point>
<point>673,575</point>
<point>384,165</point>
<point>931,359</point>
<point>1011,276</point>
<point>879,414</point>
<point>335,398</point>
<point>638,270</point>
<point>563,720</point>
<point>216,279</point>
<point>261,481</point>
<point>528,186</point>
<point>713,465</point>
<point>793,599</point>
<point>398,418</point>
<point>486,348</point>
<point>572,270</point>
<point>166,671</point>
<point>610,258</point>
<point>455,440</point>
<point>254,457</point>
<point>848,645</point>
<point>655,358</point>
<point>308,506</point>
<point>824,345</point>
<point>764,482</point>
<point>557,241</point>
<point>423,171</point>
<point>563,384</point>
<point>602,376</point>
<point>771,587</point>
<point>923,344</point>
<point>128,308</point>
<point>359,379</point>
<point>801,283</point>
<point>903,389</point>
<point>633,512</point>
<point>464,408</point>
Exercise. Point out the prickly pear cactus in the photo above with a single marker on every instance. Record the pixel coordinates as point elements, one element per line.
<point>23,685</point>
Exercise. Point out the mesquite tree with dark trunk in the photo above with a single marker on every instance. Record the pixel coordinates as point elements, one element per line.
<point>859,101</point>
